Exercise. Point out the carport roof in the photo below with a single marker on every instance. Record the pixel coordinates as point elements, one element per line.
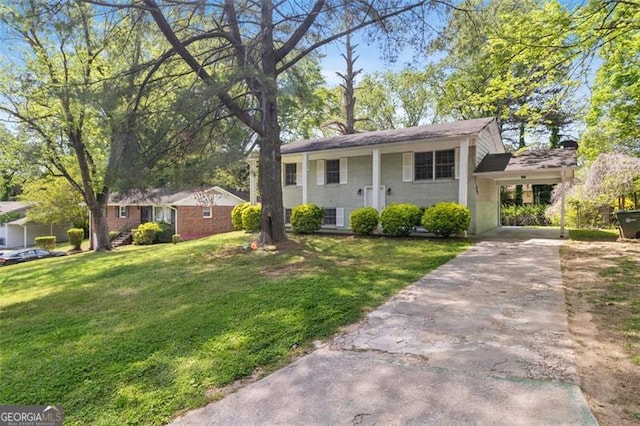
<point>529,161</point>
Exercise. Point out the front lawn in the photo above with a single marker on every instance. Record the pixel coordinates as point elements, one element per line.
<point>594,234</point>
<point>140,334</point>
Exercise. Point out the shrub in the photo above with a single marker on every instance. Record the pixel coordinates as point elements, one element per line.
<point>399,219</point>
<point>364,220</point>
<point>251,216</point>
<point>165,233</point>
<point>146,233</point>
<point>236,215</point>
<point>75,237</point>
<point>306,218</point>
<point>529,215</point>
<point>47,243</point>
<point>446,219</point>
<point>175,238</point>
<point>113,235</point>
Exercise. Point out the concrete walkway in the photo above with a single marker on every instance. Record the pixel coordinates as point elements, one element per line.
<point>481,340</point>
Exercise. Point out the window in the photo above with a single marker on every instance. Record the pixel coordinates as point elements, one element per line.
<point>122,211</point>
<point>2,242</point>
<point>330,217</point>
<point>290,174</point>
<point>333,171</point>
<point>434,164</point>
<point>206,212</point>
<point>423,165</point>
<point>287,216</point>
<point>445,164</point>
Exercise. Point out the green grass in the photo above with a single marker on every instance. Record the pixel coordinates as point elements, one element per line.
<point>140,334</point>
<point>593,234</point>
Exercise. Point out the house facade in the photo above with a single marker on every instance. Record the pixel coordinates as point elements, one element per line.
<point>19,232</point>
<point>193,214</point>
<point>421,165</point>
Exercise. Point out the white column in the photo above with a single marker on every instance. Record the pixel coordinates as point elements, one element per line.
<point>375,196</point>
<point>253,196</point>
<point>562,204</point>
<point>24,236</point>
<point>305,173</point>
<point>463,172</point>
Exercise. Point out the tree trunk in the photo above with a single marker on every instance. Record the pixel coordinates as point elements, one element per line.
<point>99,226</point>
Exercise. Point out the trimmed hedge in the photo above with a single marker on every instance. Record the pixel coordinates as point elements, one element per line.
<point>446,219</point>
<point>306,218</point>
<point>364,220</point>
<point>251,216</point>
<point>47,243</point>
<point>399,219</point>
<point>145,234</point>
<point>75,237</point>
<point>164,234</point>
<point>236,215</point>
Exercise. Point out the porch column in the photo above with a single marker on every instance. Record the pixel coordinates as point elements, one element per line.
<point>253,197</point>
<point>375,192</point>
<point>562,202</point>
<point>463,172</point>
<point>305,172</point>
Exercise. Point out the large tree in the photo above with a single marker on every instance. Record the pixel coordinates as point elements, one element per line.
<point>241,49</point>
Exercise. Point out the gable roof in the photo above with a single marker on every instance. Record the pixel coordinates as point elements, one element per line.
<point>529,160</point>
<point>165,196</point>
<point>434,131</point>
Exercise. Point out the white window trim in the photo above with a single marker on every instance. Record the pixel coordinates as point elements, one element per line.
<point>320,172</point>
<point>122,212</point>
<point>408,158</point>
<point>207,212</point>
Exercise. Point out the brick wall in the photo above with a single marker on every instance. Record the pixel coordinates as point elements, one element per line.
<point>115,223</point>
<point>191,224</point>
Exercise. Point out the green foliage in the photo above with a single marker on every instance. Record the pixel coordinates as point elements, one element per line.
<point>47,243</point>
<point>171,329</point>
<point>364,220</point>
<point>55,201</point>
<point>526,215</point>
<point>8,217</point>
<point>165,233</point>
<point>306,218</point>
<point>446,219</point>
<point>145,234</point>
<point>113,235</point>
<point>251,218</point>
<point>399,219</point>
<point>75,237</point>
<point>236,215</point>
<point>175,238</point>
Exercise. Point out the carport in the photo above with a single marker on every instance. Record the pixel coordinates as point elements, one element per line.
<point>536,167</point>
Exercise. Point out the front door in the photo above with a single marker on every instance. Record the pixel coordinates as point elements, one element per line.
<point>146,213</point>
<point>368,197</point>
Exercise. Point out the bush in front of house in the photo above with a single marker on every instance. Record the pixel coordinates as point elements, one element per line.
<point>146,233</point>
<point>364,220</point>
<point>175,238</point>
<point>446,219</point>
<point>165,233</point>
<point>306,218</point>
<point>113,235</point>
<point>251,216</point>
<point>236,215</point>
<point>399,219</point>
<point>75,237</point>
<point>48,242</point>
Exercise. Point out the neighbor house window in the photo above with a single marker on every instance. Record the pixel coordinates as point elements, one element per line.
<point>122,211</point>
<point>287,216</point>
<point>333,171</point>
<point>434,164</point>
<point>330,217</point>
<point>206,212</point>
<point>290,174</point>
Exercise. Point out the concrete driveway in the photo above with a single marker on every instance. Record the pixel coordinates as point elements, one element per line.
<point>481,340</point>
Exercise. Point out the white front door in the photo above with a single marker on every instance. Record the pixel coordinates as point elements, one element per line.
<point>368,197</point>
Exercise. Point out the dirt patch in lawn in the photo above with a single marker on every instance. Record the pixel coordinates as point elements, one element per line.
<point>602,284</point>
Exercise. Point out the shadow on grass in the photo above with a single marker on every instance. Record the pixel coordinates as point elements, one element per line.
<point>136,336</point>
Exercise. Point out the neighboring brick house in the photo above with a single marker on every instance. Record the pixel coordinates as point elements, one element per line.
<point>193,214</point>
